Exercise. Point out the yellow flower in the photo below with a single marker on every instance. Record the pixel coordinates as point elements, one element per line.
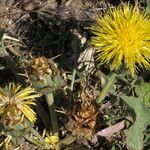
<point>53,140</point>
<point>15,104</point>
<point>122,37</point>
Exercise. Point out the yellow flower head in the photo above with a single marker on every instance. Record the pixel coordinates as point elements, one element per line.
<point>53,140</point>
<point>15,104</point>
<point>122,37</point>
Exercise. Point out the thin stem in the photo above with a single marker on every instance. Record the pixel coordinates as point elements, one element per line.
<point>106,88</point>
<point>71,88</point>
<point>73,79</point>
<point>53,115</point>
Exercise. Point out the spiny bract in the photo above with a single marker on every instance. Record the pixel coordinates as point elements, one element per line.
<point>122,37</point>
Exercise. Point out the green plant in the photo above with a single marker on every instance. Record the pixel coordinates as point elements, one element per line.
<point>16,114</point>
<point>140,114</point>
<point>45,78</point>
<point>119,39</point>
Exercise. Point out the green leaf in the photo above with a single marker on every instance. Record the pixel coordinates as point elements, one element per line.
<point>143,92</point>
<point>59,82</point>
<point>2,67</point>
<point>34,77</point>
<point>136,131</point>
<point>76,46</point>
<point>48,81</point>
<point>15,133</point>
<point>49,90</point>
<point>46,18</point>
<point>148,7</point>
<point>116,147</point>
<point>38,85</point>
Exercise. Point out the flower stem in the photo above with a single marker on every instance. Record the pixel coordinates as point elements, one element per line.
<point>53,115</point>
<point>106,88</point>
<point>73,79</point>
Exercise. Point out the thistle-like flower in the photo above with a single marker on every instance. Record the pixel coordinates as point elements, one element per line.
<point>122,38</point>
<point>53,140</point>
<point>15,104</point>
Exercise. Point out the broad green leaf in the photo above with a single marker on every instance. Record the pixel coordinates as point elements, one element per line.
<point>143,92</point>
<point>142,120</point>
